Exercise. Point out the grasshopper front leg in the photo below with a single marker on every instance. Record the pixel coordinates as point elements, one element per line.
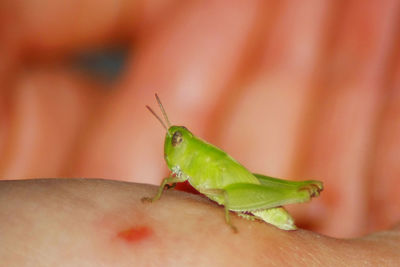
<point>165,182</point>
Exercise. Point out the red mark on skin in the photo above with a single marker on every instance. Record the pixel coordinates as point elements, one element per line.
<point>135,234</point>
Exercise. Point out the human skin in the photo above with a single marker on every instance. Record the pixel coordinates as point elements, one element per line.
<point>93,222</point>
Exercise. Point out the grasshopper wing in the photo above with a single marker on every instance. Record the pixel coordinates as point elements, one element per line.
<point>313,186</point>
<point>250,197</point>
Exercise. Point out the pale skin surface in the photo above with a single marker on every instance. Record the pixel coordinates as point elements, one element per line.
<point>68,222</point>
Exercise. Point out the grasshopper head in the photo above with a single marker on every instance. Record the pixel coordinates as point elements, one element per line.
<point>176,139</point>
<point>176,144</point>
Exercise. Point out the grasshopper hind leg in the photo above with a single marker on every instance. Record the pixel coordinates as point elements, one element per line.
<point>278,217</point>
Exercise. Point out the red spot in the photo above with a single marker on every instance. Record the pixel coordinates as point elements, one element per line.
<point>135,234</point>
<point>186,187</point>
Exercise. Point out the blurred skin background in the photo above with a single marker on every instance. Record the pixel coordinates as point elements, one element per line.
<point>292,89</point>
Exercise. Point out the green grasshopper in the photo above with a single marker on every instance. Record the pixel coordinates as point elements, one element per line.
<point>222,179</point>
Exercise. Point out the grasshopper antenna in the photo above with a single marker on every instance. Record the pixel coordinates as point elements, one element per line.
<point>163,111</point>
<point>158,118</point>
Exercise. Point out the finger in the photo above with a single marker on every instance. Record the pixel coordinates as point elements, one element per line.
<point>46,113</point>
<point>263,128</point>
<point>383,168</point>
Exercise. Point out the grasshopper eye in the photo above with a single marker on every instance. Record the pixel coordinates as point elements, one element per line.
<point>176,138</point>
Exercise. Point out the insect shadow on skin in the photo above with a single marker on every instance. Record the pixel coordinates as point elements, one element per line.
<point>222,179</point>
